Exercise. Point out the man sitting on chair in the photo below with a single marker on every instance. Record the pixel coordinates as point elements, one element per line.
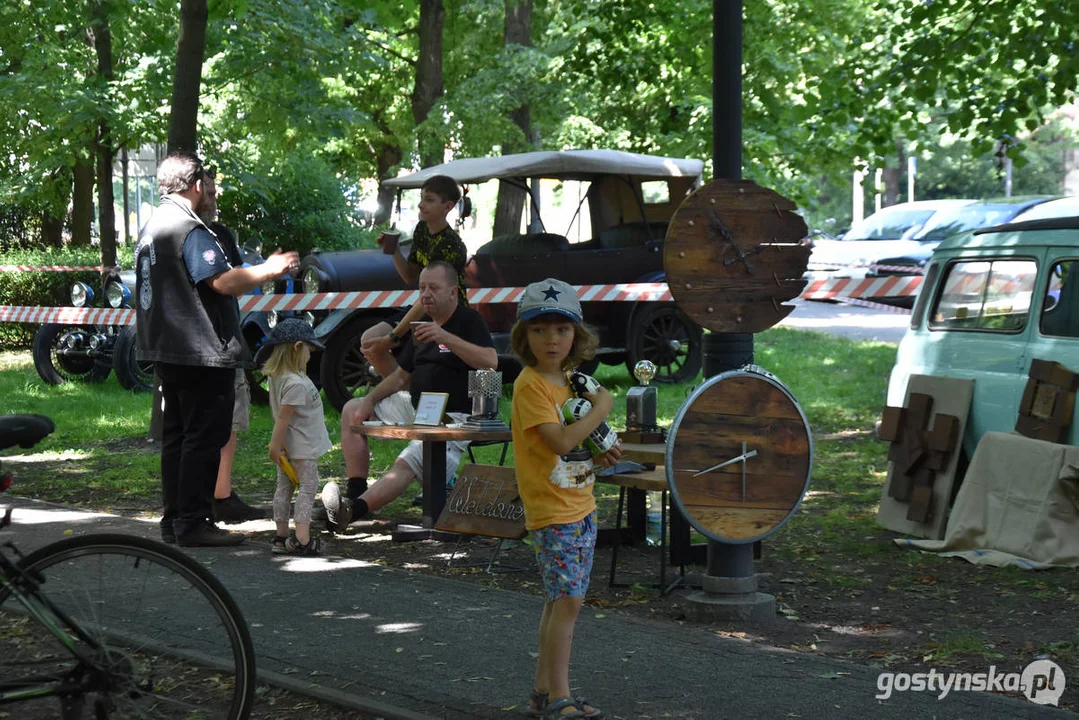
<point>437,357</point>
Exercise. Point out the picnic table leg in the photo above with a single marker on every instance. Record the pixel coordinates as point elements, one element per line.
<point>434,481</point>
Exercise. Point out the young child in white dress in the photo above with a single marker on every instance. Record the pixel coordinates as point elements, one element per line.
<point>299,435</point>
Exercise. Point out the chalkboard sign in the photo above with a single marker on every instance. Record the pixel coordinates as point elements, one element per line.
<point>484,501</point>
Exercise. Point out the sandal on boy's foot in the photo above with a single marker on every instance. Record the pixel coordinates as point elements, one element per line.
<point>338,509</point>
<point>583,703</point>
<point>277,547</point>
<point>537,703</point>
<point>555,710</point>
<point>295,547</point>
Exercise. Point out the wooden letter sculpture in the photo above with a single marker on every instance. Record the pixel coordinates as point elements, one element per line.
<point>918,454</point>
<point>1048,404</point>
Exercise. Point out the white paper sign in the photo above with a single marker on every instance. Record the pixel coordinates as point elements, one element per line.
<point>431,407</point>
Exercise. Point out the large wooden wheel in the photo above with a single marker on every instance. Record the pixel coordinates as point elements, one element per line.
<point>734,254</point>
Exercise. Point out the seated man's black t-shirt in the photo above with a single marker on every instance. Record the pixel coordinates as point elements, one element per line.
<point>434,368</point>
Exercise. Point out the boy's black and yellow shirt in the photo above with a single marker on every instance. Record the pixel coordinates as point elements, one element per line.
<point>427,247</point>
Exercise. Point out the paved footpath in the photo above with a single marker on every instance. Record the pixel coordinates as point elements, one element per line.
<point>410,646</point>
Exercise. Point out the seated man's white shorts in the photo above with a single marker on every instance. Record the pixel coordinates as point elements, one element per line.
<point>397,410</point>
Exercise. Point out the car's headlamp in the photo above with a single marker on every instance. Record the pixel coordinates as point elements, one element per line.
<point>268,287</point>
<point>312,280</point>
<point>81,294</point>
<point>117,294</point>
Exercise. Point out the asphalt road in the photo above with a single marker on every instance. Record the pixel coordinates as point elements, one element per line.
<point>857,323</point>
<point>408,646</point>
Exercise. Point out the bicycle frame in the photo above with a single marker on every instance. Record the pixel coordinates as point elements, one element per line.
<point>22,586</point>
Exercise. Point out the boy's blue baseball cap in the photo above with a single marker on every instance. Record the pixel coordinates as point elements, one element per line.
<point>549,296</point>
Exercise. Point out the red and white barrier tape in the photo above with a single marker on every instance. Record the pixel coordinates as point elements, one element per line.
<point>624,292</point>
<point>873,305</point>
<point>827,266</point>
<point>67,315</point>
<point>895,286</point>
<point>54,268</point>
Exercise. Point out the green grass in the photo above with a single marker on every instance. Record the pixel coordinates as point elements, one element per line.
<point>839,383</point>
<point>966,643</point>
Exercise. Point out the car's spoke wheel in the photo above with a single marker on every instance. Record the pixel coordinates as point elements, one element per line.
<point>55,366</point>
<point>669,338</point>
<point>130,372</point>
<point>258,386</point>
<point>345,371</point>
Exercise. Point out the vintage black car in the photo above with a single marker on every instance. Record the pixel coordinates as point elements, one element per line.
<point>88,353</point>
<point>627,224</point>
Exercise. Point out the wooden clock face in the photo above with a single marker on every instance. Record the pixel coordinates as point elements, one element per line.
<point>734,255</point>
<point>739,456</point>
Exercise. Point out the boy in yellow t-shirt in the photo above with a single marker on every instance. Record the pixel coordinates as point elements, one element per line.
<point>555,478</point>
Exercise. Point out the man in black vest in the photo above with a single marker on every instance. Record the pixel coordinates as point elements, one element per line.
<point>188,323</point>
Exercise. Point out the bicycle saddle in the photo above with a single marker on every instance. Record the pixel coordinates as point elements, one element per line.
<point>23,430</point>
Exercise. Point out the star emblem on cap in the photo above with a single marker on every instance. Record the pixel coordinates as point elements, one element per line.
<point>550,293</point>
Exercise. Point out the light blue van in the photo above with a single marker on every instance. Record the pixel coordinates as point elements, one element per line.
<point>991,302</point>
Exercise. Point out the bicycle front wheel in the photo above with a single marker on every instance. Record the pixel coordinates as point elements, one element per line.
<point>170,639</point>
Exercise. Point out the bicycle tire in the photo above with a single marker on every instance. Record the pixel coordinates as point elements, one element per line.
<point>174,640</point>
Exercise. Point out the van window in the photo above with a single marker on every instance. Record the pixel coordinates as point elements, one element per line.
<point>991,296</point>
<point>1060,311</point>
<point>928,283</point>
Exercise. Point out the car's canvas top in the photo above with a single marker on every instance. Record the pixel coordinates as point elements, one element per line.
<point>565,164</point>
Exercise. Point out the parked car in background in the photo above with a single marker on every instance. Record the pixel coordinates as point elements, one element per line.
<point>626,202</point>
<point>87,353</point>
<point>889,233</point>
<point>953,221</point>
<point>1061,207</point>
<point>992,301</point>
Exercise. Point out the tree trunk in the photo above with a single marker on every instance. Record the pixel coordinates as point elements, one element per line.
<point>190,49</point>
<point>511,199</point>
<point>428,88</point>
<point>388,153</point>
<point>106,213</point>
<point>52,230</point>
<point>82,203</point>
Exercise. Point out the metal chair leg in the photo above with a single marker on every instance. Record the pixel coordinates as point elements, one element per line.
<point>617,535</point>
<point>662,542</point>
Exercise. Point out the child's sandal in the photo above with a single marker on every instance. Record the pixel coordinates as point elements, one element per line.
<point>553,711</point>
<point>595,713</point>
<point>537,703</point>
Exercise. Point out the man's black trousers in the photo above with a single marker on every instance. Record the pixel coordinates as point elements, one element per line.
<point>196,424</point>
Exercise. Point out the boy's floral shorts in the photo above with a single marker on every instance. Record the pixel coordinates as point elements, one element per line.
<point>564,554</point>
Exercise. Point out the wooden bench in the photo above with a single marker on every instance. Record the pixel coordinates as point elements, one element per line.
<point>641,482</point>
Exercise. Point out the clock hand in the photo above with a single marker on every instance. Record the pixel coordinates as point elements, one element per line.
<point>739,458</point>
